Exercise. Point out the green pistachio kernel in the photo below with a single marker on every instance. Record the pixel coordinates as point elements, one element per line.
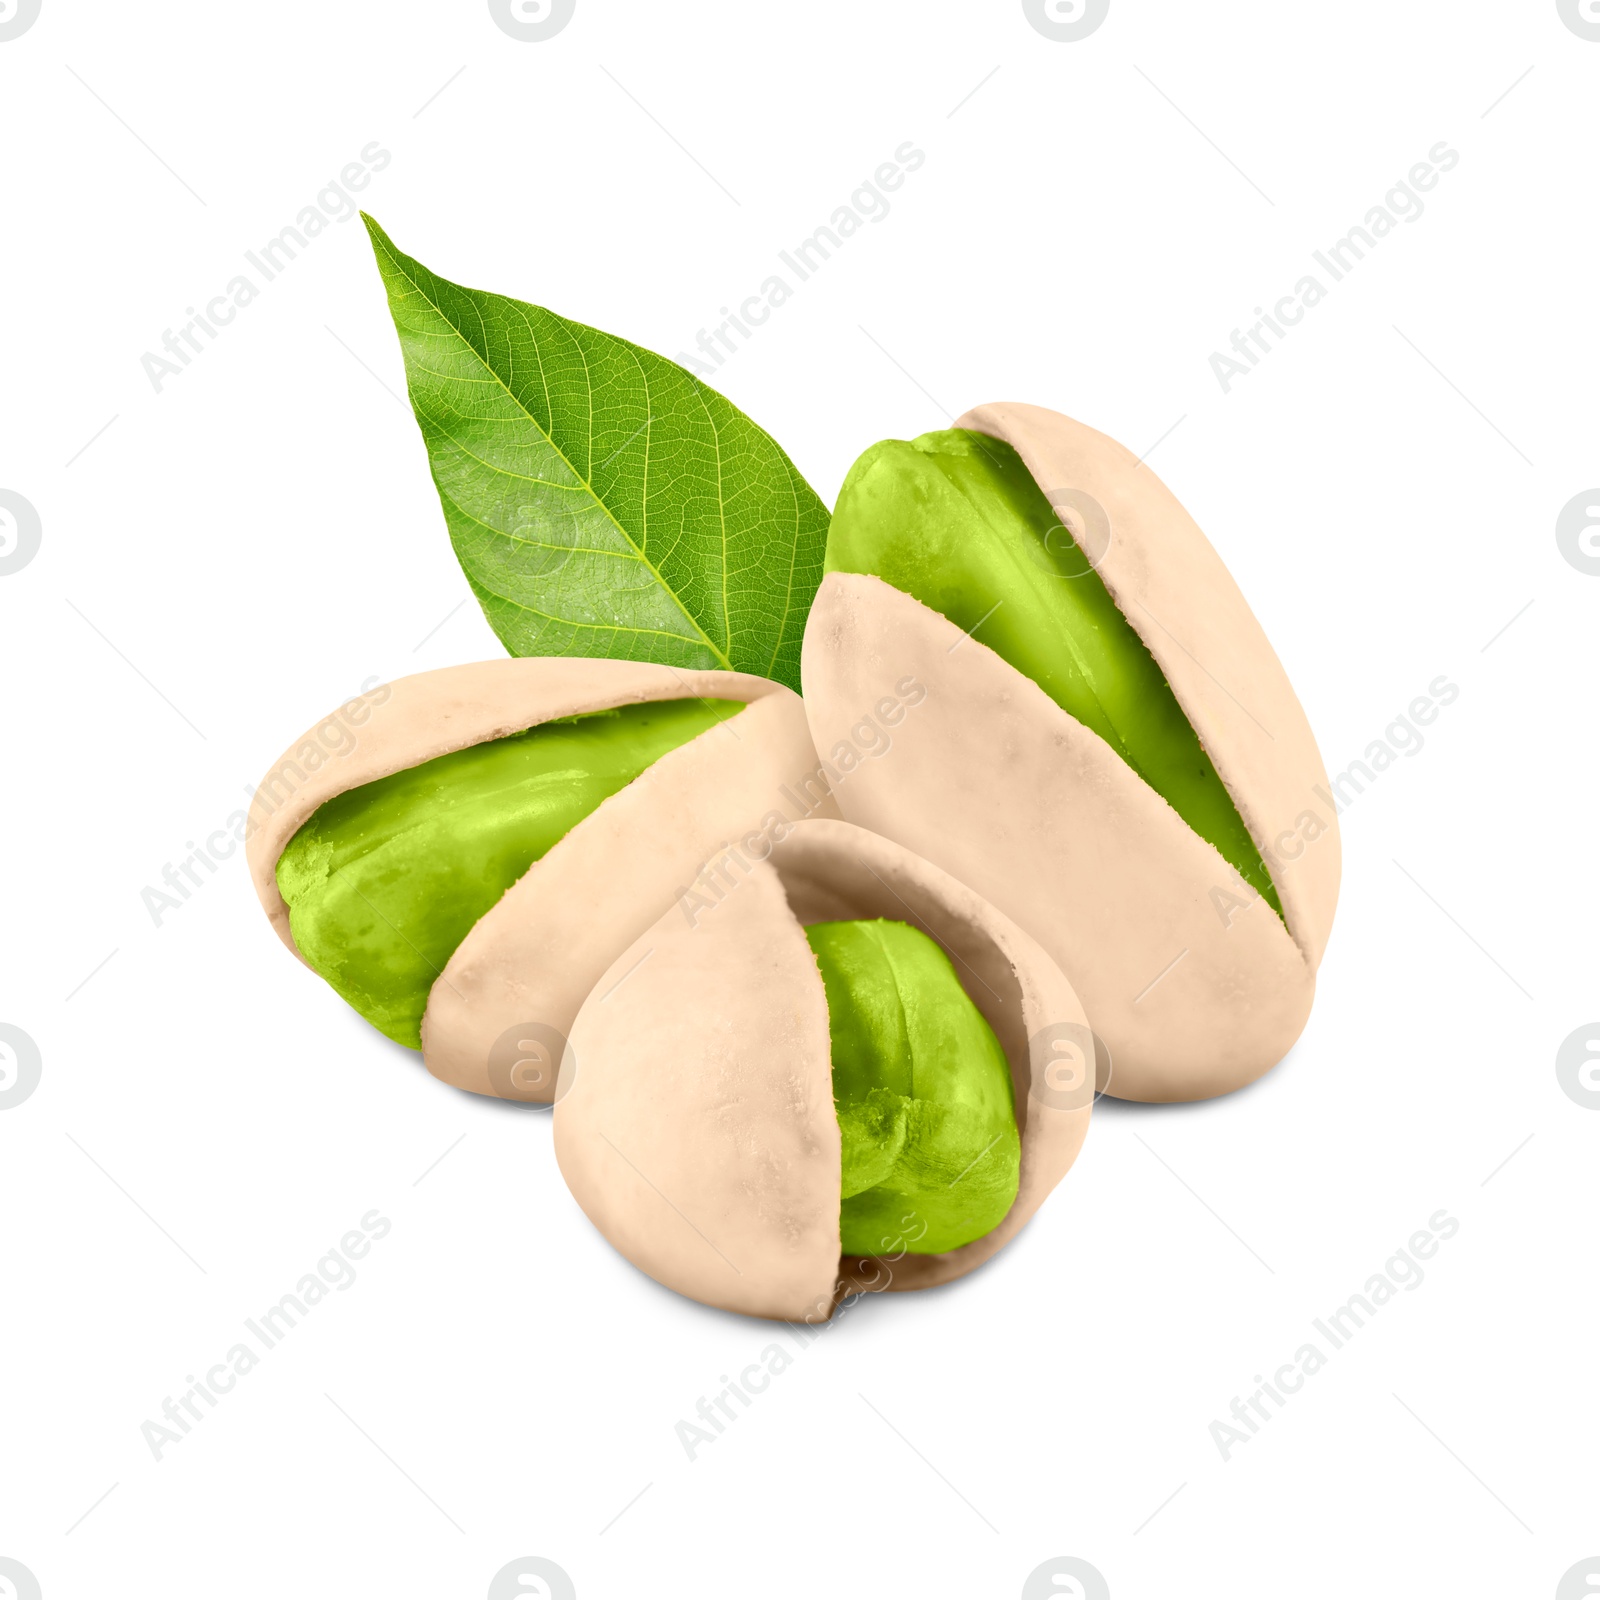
<point>384,881</point>
<point>922,1090</point>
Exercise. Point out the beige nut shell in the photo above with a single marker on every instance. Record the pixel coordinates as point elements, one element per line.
<point>1193,994</point>
<point>533,957</point>
<point>695,1122</point>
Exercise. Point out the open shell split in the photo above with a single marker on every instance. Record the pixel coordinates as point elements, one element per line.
<point>499,1013</point>
<point>1195,985</point>
<point>694,1122</point>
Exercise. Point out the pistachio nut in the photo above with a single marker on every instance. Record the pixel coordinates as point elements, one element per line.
<point>1109,750</point>
<point>845,1074</point>
<point>464,862</point>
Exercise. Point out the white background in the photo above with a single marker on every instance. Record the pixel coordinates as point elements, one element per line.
<point>231,557</point>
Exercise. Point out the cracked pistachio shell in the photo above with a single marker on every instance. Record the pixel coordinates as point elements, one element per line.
<point>695,1123</point>
<point>498,1015</point>
<point>1195,986</point>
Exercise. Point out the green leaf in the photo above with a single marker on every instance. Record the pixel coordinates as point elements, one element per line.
<point>602,501</point>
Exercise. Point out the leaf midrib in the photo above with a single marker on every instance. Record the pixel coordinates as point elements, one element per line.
<point>533,422</point>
